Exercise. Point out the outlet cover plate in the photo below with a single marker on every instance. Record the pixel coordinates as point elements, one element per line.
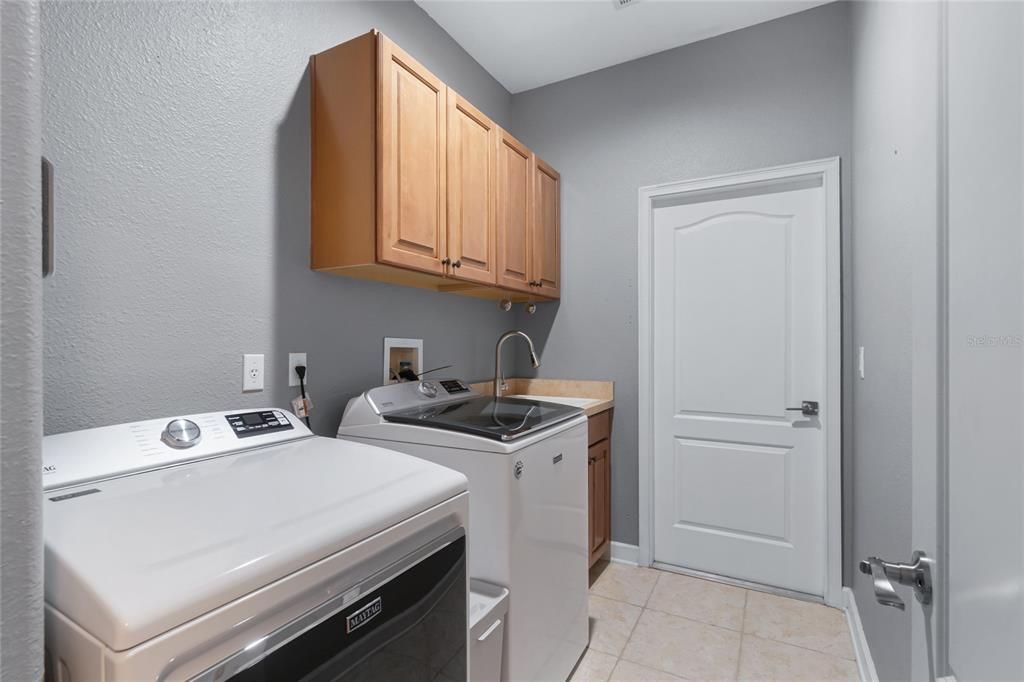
<point>294,360</point>
<point>252,372</point>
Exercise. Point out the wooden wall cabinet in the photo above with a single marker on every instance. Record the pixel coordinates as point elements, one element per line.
<point>515,203</point>
<point>411,184</point>
<point>546,230</point>
<point>472,198</point>
<point>411,170</point>
<point>599,480</point>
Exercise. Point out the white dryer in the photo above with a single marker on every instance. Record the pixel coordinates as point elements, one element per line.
<point>527,467</point>
<point>237,545</point>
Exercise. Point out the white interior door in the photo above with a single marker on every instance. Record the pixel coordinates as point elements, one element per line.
<point>739,337</point>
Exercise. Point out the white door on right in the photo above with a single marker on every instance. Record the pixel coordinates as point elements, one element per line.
<point>739,338</point>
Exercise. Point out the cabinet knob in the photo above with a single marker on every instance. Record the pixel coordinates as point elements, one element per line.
<point>457,264</point>
<point>446,260</point>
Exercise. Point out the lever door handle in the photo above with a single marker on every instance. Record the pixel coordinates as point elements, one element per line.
<point>917,574</point>
<point>885,594</point>
<point>809,408</point>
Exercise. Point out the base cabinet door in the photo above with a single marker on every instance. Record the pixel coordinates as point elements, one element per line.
<point>590,505</point>
<point>600,502</point>
<point>411,168</point>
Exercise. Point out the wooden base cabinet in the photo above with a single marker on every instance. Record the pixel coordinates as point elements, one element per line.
<point>600,482</point>
<point>411,184</point>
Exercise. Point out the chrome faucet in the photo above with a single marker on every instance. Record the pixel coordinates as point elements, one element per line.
<point>499,377</point>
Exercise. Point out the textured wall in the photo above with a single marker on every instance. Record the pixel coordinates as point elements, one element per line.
<point>771,94</point>
<point>180,136</point>
<point>21,399</point>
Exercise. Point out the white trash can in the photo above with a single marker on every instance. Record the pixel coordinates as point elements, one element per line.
<point>488,607</point>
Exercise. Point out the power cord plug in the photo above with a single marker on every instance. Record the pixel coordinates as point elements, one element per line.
<point>301,371</point>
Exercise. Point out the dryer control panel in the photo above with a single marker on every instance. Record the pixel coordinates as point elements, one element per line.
<point>110,451</point>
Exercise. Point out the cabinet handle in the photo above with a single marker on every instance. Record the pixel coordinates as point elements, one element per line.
<point>487,633</point>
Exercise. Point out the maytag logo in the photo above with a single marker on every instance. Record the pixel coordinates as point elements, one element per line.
<point>363,616</point>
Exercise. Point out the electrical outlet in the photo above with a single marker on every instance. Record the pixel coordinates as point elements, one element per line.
<point>252,372</point>
<point>294,360</point>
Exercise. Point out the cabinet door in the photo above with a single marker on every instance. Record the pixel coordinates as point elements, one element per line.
<point>546,240</point>
<point>411,156</point>
<point>472,147</point>
<point>515,201</point>
<point>600,505</point>
<point>591,527</point>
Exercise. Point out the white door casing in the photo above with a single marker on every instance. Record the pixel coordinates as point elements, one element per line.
<point>739,320</point>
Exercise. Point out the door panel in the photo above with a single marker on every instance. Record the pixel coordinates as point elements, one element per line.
<point>985,288</point>
<point>515,199</point>
<point>472,147</point>
<point>753,512</point>
<point>739,336</point>
<point>546,240</point>
<point>411,163</point>
<point>741,333</point>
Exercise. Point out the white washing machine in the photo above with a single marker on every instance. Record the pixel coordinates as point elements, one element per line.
<point>527,467</point>
<point>237,545</point>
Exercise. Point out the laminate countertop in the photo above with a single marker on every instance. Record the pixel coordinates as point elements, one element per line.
<point>593,396</point>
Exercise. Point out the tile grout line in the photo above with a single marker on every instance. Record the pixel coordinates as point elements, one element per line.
<point>802,648</point>
<point>633,630</point>
<point>781,641</point>
<point>743,634</point>
<point>619,658</point>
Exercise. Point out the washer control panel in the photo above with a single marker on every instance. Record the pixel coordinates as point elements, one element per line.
<point>406,394</point>
<point>454,386</point>
<point>246,424</point>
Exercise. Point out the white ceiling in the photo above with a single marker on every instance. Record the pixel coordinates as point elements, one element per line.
<point>529,43</point>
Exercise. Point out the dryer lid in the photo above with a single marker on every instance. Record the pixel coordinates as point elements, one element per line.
<point>132,557</point>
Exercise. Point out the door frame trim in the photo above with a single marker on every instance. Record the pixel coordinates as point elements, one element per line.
<point>828,170</point>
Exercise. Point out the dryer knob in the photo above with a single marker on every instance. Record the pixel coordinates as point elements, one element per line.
<point>428,389</point>
<point>181,433</point>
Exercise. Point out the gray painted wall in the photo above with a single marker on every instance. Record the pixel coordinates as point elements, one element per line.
<point>21,399</point>
<point>180,136</point>
<point>895,135</point>
<point>771,94</point>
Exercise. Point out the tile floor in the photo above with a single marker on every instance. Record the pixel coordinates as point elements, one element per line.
<point>648,625</point>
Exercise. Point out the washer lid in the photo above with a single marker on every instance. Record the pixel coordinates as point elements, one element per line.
<point>501,419</point>
<point>133,557</point>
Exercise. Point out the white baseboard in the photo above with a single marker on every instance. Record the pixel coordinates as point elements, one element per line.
<point>621,553</point>
<point>865,664</point>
